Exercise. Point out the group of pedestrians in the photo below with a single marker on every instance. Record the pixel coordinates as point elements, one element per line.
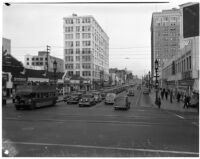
<point>167,92</point>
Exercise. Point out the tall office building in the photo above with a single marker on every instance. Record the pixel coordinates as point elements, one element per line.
<point>86,48</point>
<point>165,36</point>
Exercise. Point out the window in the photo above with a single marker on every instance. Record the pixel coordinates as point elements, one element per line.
<point>70,73</point>
<point>78,73</point>
<point>86,58</point>
<point>69,21</point>
<point>86,51</point>
<point>77,58</point>
<point>68,29</point>
<point>86,43</point>
<point>27,59</point>
<point>86,66</point>
<point>68,36</point>
<point>27,63</point>
<point>86,73</point>
<point>77,43</point>
<point>69,58</point>
<point>36,59</point>
<point>69,66</point>
<point>41,59</point>
<point>33,59</point>
<point>77,35</point>
<point>77,28</point>
<point>69,43</point>
<point>86,28</point>
<point>68,51</point>
<point>86,35</point>
<point>190,62</point>
<point>33,63</point>
<point>77,21</point>
<point>77,50</point>
<point>77,66</point>
<point>86,20</point>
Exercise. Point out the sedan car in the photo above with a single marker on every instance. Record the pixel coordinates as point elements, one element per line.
<point>87,100</point>
<point>130,92</point>
<point>97,97</point>
<point>110,98</point>
<point>122,103</point>
<point>74,98</point>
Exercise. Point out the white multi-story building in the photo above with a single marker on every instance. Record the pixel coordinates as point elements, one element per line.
<point>165,36</point>
<point>86,48</point>
<point>182,72</point>
<point>39,62</point>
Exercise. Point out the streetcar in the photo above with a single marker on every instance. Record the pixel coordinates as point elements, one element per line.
<point>35,96</point>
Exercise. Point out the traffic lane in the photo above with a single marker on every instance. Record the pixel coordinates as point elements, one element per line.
<point>103,134</point>
<point>54,150</point>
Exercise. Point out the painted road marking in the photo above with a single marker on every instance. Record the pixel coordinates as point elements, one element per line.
<point>104,147</point>
<point>179,116</point>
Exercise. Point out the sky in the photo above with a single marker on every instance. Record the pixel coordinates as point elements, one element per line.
<point>31,27</point>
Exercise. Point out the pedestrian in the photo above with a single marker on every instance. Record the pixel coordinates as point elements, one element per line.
<point>166,94</point>
<point>159,102</point>
<point>185,101</point>
<point>162,94</point>
<point>178,97</point>
<point>171,94</point>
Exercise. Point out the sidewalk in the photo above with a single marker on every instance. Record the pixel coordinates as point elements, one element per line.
<point>165,104</point>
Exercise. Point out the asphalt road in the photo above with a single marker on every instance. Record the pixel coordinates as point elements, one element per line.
<point>100,131</point>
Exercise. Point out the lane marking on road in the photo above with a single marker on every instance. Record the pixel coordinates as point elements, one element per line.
<point>102,147</point>
<point>195,123</point>
<point>179,116</point>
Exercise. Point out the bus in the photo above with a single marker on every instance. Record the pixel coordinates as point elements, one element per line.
<point>34,96</point>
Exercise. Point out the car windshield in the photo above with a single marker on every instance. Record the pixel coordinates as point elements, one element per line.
<point>87,96</point>
<point>110,95</point>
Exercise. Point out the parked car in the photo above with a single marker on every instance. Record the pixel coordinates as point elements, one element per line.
<point>110,98</point>
<point>97,97</point>
<point>122,103</point>
<point>194,102</point>
<point>74,98</point>
<point>145,91</point>
<point>130,92</point>
<point>87,100</point>
<point>66,97</point>
<point>103,95</point>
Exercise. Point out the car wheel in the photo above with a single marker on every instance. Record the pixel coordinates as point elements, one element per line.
<point>17,107</point>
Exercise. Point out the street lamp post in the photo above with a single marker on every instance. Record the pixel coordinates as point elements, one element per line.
<point>156,86</point>
<point>54,70</point>
<point>149,81</point>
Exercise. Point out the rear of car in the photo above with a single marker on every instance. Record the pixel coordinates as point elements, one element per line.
<point>122,103</point>
<point>110,98</point>
<point>87,100</point>
<point>146,91</point>
<point>74,98</point>
<point>97,97</point>
<point>130,92</point>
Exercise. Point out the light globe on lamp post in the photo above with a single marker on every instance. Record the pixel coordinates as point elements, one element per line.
<point>54,70</point>
<point>156,84</point>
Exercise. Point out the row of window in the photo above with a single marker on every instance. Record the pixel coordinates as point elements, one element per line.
<point>77,43</point>
<point>36,63</point>
<point>84,36</point>
<point>86,28</point>
<point>36,58</point>
<point>78,21</point>
<point>71,58</point>
<point>78,66</point>
<point>77,51</point>
<point>181,65</point>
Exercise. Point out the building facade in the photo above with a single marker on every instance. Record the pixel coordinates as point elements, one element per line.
<point>182,72</point>
<point>86,48</point>
<point>39,62</point>
<point>6,46</point>
<point>165,37</point>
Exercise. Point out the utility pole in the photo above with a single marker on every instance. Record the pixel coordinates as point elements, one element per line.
<point>156,84</point>
<point>48,51</point>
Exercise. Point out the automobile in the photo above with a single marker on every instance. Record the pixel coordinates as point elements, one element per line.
<point>66,97</point>
<point>103,95</point>
<point>122,103</point>
<point>145,91</point>
<point>74,98</point>
<point>130,92</point>
<point>110,98</point>
<point>87,100</point>
<point>97,97</point>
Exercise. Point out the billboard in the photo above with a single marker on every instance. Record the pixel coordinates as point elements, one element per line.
<point>191,21</point>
